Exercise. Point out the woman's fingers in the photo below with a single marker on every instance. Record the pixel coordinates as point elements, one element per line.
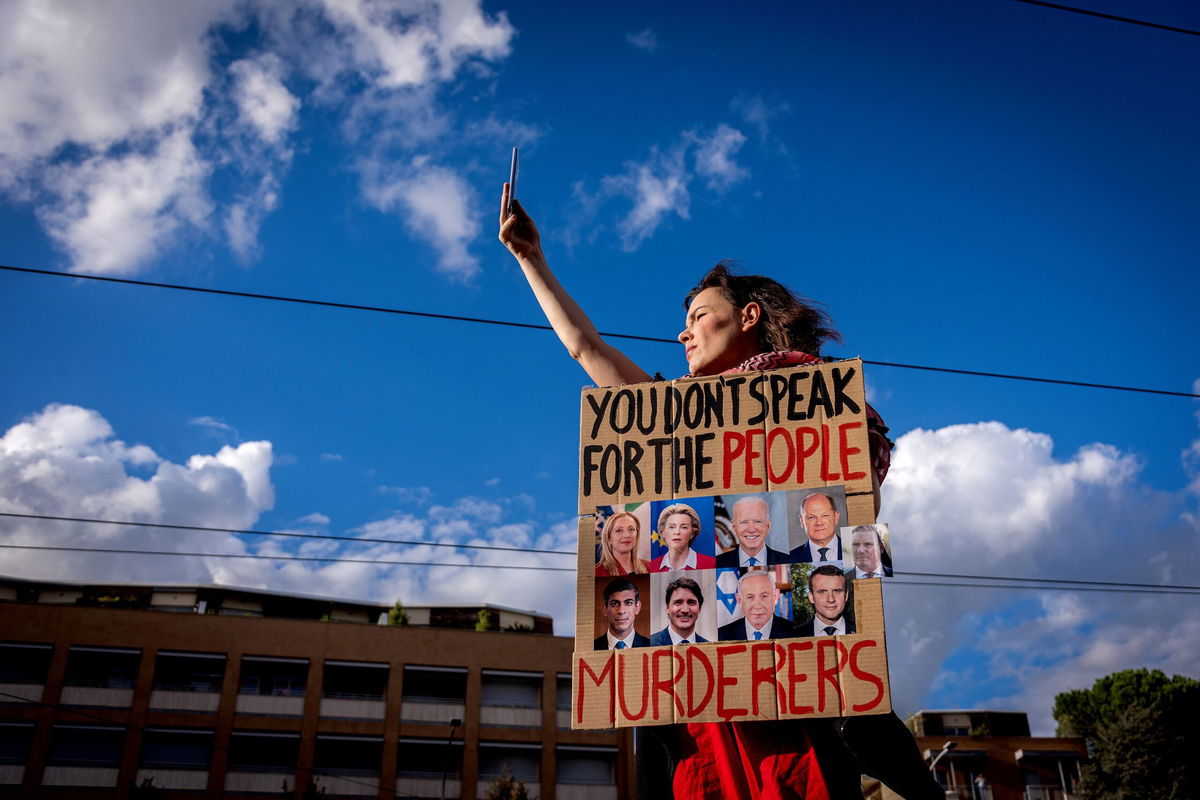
<point>504,202</point>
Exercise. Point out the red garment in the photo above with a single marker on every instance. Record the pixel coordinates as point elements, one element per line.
<point>762,760</point>
<point>747,761</point>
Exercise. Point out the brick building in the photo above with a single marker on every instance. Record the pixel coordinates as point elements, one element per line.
<point>240,693</point>
<point>993,756</point>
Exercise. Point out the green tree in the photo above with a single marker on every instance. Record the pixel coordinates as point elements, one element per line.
<point>397,615</point>
<point>506,787</point>
<point>1141,732</point>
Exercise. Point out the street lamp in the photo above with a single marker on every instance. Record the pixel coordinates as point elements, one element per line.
<point>946,748</point>
<point>454,723</point>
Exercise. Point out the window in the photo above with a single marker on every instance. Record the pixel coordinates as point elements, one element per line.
<point>102,667</point>
<point>513,689</point>
<point>24,663</point>
<point>176,749</point>
<point>428,758</point>
<point>562,696</point>
<point>189,672</point>
<point>85,746</point>
<point>523,762</point>
<point>278,677</point>
<point>354,681</point>
<point>435,684</point>
<point>15,739</point>
<point>348,755</point>
<point>263,752</point>
<point>587,765</point>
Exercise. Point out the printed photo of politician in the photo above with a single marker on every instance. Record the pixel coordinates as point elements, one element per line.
<point>829,603</point>
<point>870,550</point>
<point>683,535</point>
<point>622,619</point>
<point>757,539</point>
<point>755,603</point>
<point>684,609</point>
<point>813,519</point>
<point>622,540</point>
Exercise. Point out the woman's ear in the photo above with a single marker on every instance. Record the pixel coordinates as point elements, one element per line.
<point>751,315</point>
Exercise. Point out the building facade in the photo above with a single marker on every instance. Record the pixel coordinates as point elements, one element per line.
<point>989,755</point>
<point>250,694</point>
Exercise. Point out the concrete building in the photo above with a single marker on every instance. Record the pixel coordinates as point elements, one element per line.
<point>239,693</point>
<point>991,756</point>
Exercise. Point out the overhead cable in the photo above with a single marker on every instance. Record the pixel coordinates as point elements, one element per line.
<point>541,327</point>
<point>1113,17</point>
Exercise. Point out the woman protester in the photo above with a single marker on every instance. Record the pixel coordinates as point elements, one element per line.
<point>619,545</point>
<point>737,323</point>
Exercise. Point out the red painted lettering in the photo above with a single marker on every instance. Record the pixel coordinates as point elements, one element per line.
<point>774,436</point>
<point>865,676</point>
<point>752,455</point>
<point>725,712</point>
<point>597,681</point>
<point>698,655</point>
<point>796,677</point>
<point>733,444</point>
<point>625,712</point>
<point>847,451</point>
<point>826,475</point>
<point>761,674</point>
<point>661,685</point>
<point>830,674</point>
<point>804,451</point>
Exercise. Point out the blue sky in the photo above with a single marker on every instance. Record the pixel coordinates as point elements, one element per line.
<point>997,187</point>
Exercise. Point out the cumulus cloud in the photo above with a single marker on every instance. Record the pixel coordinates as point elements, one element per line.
<point>66,461</point>
<point>985,499</point>
<point>119,115</point>
<point>436,205</point>
<point>658,186</point>
<point>644,39</point>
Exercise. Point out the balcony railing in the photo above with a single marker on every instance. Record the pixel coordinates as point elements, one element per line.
<point>1047,792</point>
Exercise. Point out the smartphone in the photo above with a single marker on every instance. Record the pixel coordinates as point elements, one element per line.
<point>512,181</point>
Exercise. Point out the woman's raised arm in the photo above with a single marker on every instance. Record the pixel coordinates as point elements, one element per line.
<point>604,364</point>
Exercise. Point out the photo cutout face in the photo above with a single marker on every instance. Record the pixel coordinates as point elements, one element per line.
<point>624,611</point>
<point>815,516</point>
<point>622,538</point>
<point>757,528</point>
<point>870,549</point>
<point>690,610</point>
<point>732,608</point>
<point>681,525</point>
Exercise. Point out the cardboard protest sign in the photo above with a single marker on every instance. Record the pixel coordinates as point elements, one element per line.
<point>728,551</point>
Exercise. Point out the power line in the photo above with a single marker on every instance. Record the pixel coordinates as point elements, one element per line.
<point>1113,17</point>
<point>1042,584</point>
<point>321,559</point>
<point>540,327</point>
<point>292,534</point>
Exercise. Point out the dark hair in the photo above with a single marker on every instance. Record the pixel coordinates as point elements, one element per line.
<point>788,322</point>
<point>621,585</point>
<point>685,583</point>
<point>829,570</point>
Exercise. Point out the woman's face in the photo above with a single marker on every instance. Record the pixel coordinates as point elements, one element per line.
<point>678,533</point>
<point>718,336</point>
<point>623,536</point>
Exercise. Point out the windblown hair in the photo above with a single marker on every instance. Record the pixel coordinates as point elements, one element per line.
<point>788,322</point>
<point>608,559</point>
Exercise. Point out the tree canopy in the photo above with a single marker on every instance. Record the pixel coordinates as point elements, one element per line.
<point>1141,732</point>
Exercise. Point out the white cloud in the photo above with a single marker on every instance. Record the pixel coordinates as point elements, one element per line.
<point>118,115</point>
<point>659,186</point>
<point>331,456</point>
<point>758,113</point>
<point>714,158</point>
<point>984,499</point>
<point>66,461</point>
<point>643,40</point>
<point>436,205</point>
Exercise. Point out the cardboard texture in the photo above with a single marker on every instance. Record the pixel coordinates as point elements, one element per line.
<point>593,690</point>
<point>868,605</point>
<point>783,430</point>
